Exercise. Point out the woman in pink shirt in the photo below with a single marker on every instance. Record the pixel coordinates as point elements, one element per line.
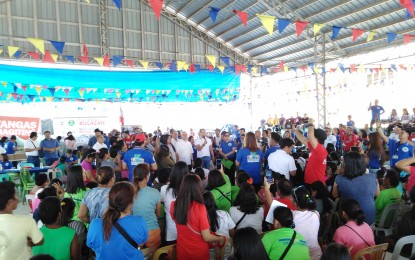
<point>355,234</point>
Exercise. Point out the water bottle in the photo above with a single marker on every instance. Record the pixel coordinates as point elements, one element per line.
<point>41,165</point>
<point>18,166</point>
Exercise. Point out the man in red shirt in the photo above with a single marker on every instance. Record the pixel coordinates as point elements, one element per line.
<point>316,166</point>
<point>349,139</point>
<point>128,139</point>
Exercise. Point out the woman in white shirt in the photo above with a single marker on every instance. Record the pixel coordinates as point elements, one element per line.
<point>307,220</point>
<point>246,212</point>
<point>168,195</point>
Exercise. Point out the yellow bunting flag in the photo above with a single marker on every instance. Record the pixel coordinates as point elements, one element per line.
<point>268,22</point>
<point>186,66</point>
<point>12,50</point>
<point>211,59</point>
<point>4,83</point>
<point>255,70</point>
<point>370,36</point>
<point>221,68</point>
<point>158,92</point>
<point>9,96</point>
<point>317,27</point>
<point>217,92</point>
<point>38,90</point>
<point>49,99</point>
<point>81,93</point>
<point>362,68</point>
<point>1,51</point>
<point>118,94</point>
<point>180,65</point>
<point>38,43</point>
<point>54,57</point>
<point>100,61</point>
<point>144,63</point>
<point>201,97</point>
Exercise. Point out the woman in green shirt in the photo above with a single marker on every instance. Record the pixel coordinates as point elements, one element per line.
<point>220,187</point>
<point>241,178</point>
<point>59,242</point>
<point>75,188</point>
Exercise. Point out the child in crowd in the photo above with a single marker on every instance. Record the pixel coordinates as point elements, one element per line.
<point>201,173</point>
<point>5,163</point>
<point>71,159</point>
<point>59,242</point>
<point>61,167</point>
<point>161,178</point>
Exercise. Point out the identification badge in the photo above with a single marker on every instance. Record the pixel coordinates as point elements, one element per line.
<point>395,157</point>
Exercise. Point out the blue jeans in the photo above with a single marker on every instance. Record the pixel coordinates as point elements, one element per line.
<point>206,162</point>
<point>34,159</point>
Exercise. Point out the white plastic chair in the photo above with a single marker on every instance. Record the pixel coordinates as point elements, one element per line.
<point>387,228</point>
<point>401,243</point>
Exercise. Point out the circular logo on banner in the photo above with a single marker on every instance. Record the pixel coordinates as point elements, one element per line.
<point>71,122</point>
<point>229,144</point>
<point>405,149</point>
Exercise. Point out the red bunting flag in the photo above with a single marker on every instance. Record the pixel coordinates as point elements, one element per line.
<point>356,33</point>
<point>24,88</point>
<point>282,65</point>
<point>156,5</point>
<point>409,5</point>
<point>85,50</point>
<point>353,68</point>
<point>300,26</point>
<point>14,95</point>
<point>332,69</point>
<point>192,68</point>
<point>84,59</point>
<point>66,91</point>
<point>130,63</point>
<point>106,61</point>
<point>34,55</point>
<point>407,38</point>
<point>209,67</point>
<point>402,66</point>
<point>48,57</point>
<point>243,16</point>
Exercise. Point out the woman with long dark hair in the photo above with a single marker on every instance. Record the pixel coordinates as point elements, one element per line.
<point>169,193</point>
<point>105,236</point>
<point>166,140</point>
<point>247,245</point>
<point>355,234</point>
<point>147,204</point>
<point>95,201</point>
<point>249,159</point>
<point>275,241</point>
<point>375,153</point>
<point>307,220</point>
<point>220,187</point>
<point>163,158</point>
<point>355,184</point>
<point>190,216</point>
<point>321,196</point>
<point>245,211</point>
<point>75,188</point>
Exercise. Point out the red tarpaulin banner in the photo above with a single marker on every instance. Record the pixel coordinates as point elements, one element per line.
<point>20,126</point>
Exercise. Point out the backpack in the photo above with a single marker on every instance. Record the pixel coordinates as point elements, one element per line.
<point>329,222</point>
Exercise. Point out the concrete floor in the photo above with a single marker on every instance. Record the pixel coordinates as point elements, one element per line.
<point>22,209</point>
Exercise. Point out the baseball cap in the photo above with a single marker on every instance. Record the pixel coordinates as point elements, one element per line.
<point>90,152</point>
<point>140,137</point>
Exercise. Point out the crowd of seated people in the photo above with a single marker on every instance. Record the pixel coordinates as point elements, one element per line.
<point>126,201</point>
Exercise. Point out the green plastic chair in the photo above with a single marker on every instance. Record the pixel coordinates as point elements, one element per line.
<point>13,177</point>
<point>4,177</point>
<point>27,183</point>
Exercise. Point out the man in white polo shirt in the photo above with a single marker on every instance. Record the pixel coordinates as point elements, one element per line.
<point>281,161</point>
<point>32,148</point>
<point>185,150</point>
<point>204,149</point>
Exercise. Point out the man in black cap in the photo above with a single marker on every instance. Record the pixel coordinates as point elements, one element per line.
<point>316,166</point>
<point>93,139</point>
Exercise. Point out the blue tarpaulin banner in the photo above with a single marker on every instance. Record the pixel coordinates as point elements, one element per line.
<point>159,85</point>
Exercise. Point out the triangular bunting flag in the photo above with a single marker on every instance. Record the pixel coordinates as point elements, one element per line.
<point>393,66</point>
<point>211,59</point>
<point>52,91</point>
<point>213,13</point>
<point>282,24</point>
<point>250,68</point>
<point>85,50</point>
<point>317,27</point>
<point>356,33</point>
<point>409,5</point>
<point>38,90</point>
<point>58,46</point>
<point>54,57</point>
<point>17,54</point>
<point>144,63</point>
<point>129,63</point>
<point>118,4</point>
<point>407,38</point>
<point>49,99</point>
<point>221,68</point>
<point>186,66</point>
<point>156,5</point>
<point>391,37</point>
<point>38,43</point>
<point>192,68</point>
<point>268,22</point>
<point>81,92</point>
<point>341,66</point>
<point>48,57</point>
<point>100,61</point>
<point>243,16</point>
<point>34,55</point>
<point>173,66</point>
<point>300,26</point>
<point>84,59</point>
<point>118,94</point>
<point>255,70</point>
<point>197,67</point>
<point>226,60</point>
<point>31,97</point>
<point>159,64</point>
<point>116,60</point>
<point>106,61</point>
<point>12,50</point>
<point>66,91</point>
<point>335,32</point>
<point>209,67</point>
<point>70,58</point>
<point>181,65</point>
<point>24,88</point>
<point>370,36</point>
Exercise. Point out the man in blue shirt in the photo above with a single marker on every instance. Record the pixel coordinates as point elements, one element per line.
<point>138,155</point>
<point>397,150</point>
<point>274,145</point>
<point>227,150</point>
<point>50,148</point>
<point>11,145</point>
<point>71,159</point>
<point>376,112</point>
